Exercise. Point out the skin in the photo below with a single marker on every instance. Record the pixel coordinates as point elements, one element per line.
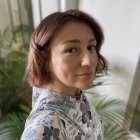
<point>73,59</point>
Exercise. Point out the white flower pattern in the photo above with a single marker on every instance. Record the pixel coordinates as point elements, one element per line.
<point>55,116</point>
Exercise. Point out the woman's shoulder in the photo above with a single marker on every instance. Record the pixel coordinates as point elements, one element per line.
<point>41,126</point>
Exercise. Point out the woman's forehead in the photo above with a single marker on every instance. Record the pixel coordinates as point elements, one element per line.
<point>74,32</point>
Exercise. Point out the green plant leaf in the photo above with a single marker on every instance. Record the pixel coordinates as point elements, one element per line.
<point>12,126</point>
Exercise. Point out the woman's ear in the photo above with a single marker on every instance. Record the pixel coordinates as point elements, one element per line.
<point>99,67</point>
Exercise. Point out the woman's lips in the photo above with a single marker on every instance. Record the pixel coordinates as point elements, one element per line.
<point>85,75</point>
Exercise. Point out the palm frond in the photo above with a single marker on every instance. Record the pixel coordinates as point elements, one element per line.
<point>115,133</point>
<point>12,126</point>
<point>113,112</point>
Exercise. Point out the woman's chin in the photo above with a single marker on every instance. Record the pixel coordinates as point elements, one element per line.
<point>86,86</point>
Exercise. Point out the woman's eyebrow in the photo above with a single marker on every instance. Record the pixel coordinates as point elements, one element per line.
<point>78,41</point>
<point>72,41</point>
<point>92,40</point>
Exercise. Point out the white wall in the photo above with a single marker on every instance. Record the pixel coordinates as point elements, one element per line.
<point>7,14</point>
<point>42,8</point>
<point>121,23</point>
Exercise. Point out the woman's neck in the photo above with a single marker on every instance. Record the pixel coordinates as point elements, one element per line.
<point>69,91</point>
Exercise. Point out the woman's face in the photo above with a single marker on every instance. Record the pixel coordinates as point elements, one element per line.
<point>73,59</point>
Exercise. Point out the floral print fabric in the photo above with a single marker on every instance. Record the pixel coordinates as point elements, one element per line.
<point>55,116</point>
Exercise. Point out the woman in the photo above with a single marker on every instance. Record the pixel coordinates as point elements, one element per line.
<point>64,57</point>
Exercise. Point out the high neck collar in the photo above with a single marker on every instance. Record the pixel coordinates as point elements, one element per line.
<point>41,93</point>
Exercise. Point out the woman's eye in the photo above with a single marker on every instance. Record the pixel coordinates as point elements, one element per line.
<point>92,48</point>
<point>72,50</point>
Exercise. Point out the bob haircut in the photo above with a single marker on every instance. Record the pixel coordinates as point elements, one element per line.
<point>37,70</point>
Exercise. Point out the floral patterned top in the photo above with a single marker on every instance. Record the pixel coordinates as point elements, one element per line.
<point>55,116</point>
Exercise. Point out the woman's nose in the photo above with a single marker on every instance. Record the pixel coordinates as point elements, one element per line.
<point>87,59</point>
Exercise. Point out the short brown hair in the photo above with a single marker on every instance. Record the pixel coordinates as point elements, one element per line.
<point>39,53</point>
